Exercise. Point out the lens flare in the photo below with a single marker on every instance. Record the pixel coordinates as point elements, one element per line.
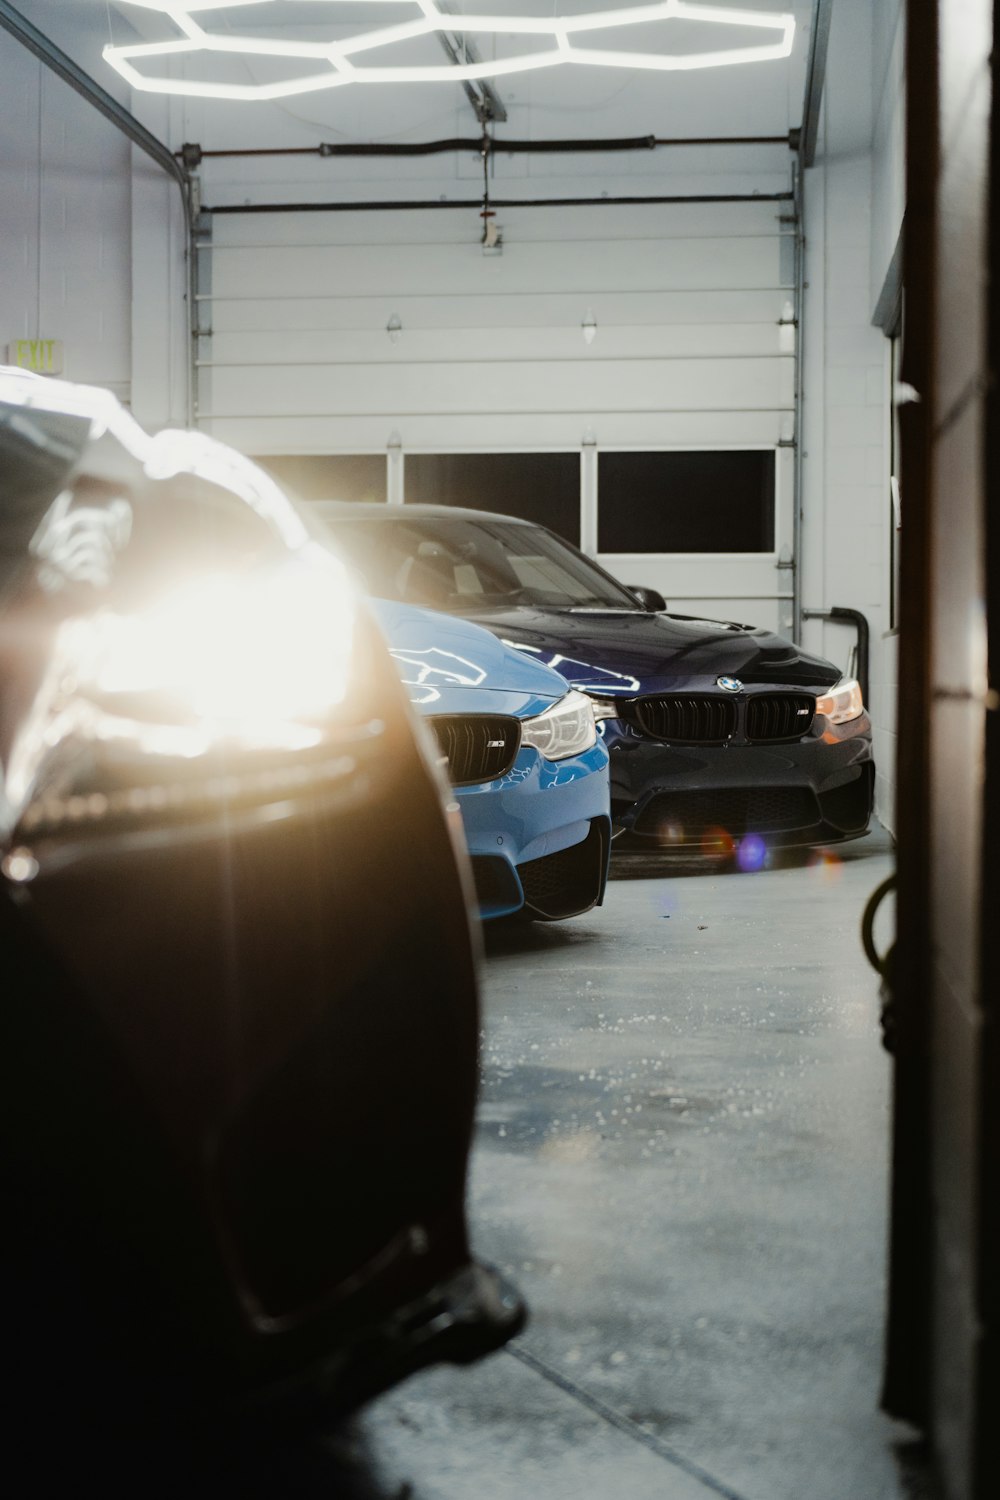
<point>669,834</point>
<point>717,843</point>
<point>665,902</point>
<point>752,853</point>
<point>826,865</point>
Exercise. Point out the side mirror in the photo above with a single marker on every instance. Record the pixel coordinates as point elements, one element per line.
<point>650,599</point>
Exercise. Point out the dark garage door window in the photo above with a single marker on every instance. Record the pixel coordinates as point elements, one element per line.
<point>334,476</point>
<point>685,502</point>
<point>541,487</point>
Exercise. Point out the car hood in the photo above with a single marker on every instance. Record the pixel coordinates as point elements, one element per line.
<point>452,666</point>
<point>617,651</point>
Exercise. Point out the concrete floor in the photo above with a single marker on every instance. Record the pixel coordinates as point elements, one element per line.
<point>682,1161</point>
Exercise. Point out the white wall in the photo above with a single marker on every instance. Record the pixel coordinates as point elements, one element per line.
<point>91,233</point>
<point>888,135</point>
<point>64,185</point>
<point>888,204</point>
<point>850,232</point>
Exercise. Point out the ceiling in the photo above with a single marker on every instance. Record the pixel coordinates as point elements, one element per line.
<point>568,101</point>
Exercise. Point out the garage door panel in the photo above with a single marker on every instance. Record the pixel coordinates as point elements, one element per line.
<point>493,432</point>
<point>687,300</point>
<point>555,225</point>
<point>448,270</point>
<point>542,385</point>
<point>747,588</point>
<point>289,312</point>
<point>546,341</point>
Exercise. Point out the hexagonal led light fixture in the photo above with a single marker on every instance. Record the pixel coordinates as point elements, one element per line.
<point>334,59</point>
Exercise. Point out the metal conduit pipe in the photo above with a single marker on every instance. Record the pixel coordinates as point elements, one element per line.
<point>805,142</point>
<point>798,215</point>
<point>375,206</point>
<point>841,615</point>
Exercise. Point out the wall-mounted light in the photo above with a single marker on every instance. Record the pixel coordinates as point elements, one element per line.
<point>394,328</point>
<point>335,65</point>
<point>589,327</point>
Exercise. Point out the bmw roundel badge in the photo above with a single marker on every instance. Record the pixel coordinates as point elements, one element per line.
<point>729,684</point>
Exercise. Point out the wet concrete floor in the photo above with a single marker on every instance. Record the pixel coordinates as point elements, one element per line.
<point>681,1158</point>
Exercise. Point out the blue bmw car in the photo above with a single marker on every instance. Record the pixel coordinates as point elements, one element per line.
<point>529,769</point>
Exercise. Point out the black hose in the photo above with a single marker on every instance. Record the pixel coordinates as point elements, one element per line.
<point>849,617</point>
<point>878,961</point>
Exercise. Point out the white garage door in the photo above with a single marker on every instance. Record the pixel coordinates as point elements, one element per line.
<point>596,331</point>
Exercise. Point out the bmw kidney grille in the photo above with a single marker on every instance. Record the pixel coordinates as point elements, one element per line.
<point>689,719</point>
<point>713,719</point>
<point>478,747</point>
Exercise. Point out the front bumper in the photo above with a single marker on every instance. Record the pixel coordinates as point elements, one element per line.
<point>539,836</point>
<point>693,799</point>
<point>468,1314</point>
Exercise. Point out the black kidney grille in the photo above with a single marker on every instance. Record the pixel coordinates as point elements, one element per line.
<point>687,718</point>
<point>779,716</point>
<point>478,748</point>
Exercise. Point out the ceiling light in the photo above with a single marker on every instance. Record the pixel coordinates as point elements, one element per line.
<point>589,327</point>
<point>335,67</point>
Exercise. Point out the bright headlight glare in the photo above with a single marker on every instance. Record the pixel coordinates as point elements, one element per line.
<point>842,703</point>
<point>240,653</point>
<point>567,728</point>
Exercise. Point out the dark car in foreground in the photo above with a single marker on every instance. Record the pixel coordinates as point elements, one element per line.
<point>723,738</point>
<point>239,1032</point>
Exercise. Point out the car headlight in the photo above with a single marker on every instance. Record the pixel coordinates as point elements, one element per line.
<point>567,728</point>
<point>255,661</point>
<point>842,703</point>
<point>605,708</point>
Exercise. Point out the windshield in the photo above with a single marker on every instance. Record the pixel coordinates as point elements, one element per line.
<point>464,567</point>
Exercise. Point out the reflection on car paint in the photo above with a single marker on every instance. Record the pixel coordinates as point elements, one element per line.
<point>426,673</point>
<point>581,674</point>
<point>77,543</point>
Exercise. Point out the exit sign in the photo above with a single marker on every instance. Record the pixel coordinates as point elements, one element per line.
<point>44,356</point>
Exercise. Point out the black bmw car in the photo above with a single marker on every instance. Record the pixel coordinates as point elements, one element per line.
<point>240,1026</point>
<point>723,738</point>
